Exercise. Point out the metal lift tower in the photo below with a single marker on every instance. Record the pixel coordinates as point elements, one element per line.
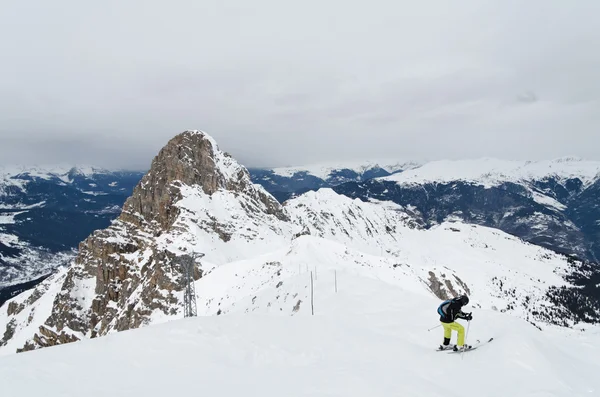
<point>189,294</point>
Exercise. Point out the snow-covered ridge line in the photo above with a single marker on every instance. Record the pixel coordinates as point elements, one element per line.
<point>18,176</point>
<point>43,171</point>
<point>492,171</point>
<point>323,170</point>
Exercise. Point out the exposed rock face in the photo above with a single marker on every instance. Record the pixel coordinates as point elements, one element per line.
<point>445,288</point>
<point>190,159</point>
<point>14,308</point>
<point>125,274</point>
<point>10,331</point>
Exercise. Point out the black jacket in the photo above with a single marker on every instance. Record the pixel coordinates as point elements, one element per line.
<point>450,310</point>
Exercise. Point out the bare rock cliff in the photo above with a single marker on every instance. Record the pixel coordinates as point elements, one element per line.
<point>191,158</point>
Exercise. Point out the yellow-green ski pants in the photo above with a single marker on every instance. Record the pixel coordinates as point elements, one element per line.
<point>456,327</point>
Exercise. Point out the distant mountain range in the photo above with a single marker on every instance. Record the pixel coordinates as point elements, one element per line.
<point>550,203</point>
<point>45,212</point>
<point>288,182</point>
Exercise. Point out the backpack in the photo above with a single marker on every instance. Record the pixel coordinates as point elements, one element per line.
<point>439,310</point>
<point>446,302</point>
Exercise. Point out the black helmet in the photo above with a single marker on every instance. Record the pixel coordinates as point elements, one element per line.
<point>464,300</point>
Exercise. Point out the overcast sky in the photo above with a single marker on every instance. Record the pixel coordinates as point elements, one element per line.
<point>284,83</point>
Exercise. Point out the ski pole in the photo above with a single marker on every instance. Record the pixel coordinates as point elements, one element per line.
<point>434,327</point>
<point>466,336</point>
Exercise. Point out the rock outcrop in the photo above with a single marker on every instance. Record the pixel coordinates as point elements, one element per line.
<point>193,159</point>
<point>445,287</point>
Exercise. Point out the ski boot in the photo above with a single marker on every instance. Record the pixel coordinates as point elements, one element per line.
<point>446,345</point>
<point>462,348</point>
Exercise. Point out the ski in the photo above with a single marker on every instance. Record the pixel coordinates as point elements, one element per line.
<point>445,348</point>
<point>473,347</point>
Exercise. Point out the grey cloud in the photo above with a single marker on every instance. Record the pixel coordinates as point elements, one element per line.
<point>280,83</point>
<point>527,97</point>
<point>113,153</point>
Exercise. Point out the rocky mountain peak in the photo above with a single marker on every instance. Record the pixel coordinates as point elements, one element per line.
<point>194,198</point>
<point>191,158</point>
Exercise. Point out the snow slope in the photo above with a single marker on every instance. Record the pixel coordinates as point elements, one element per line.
<point>492,172</point>
<point>498,272</point>
<point>249,233</point>
<point>30,309</point>
<point>368,339</point>
<point>370,227</point>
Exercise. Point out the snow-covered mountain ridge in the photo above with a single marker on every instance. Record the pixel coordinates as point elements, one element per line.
<point>258,252</point>
<point>325,171</point>
<point>549,202</point>
<point>48,171</point>
<point>285,182</point>
<point>493,172</point>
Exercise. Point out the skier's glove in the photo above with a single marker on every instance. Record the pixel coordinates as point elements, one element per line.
<point>469,317</point>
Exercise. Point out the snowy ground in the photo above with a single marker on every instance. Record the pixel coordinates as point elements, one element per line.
<point>369,339</point>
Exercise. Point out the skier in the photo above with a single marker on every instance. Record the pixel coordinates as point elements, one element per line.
<point>449,311</point>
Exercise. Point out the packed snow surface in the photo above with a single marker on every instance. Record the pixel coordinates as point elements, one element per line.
<point>492,172</point>
<point>370,338</point>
